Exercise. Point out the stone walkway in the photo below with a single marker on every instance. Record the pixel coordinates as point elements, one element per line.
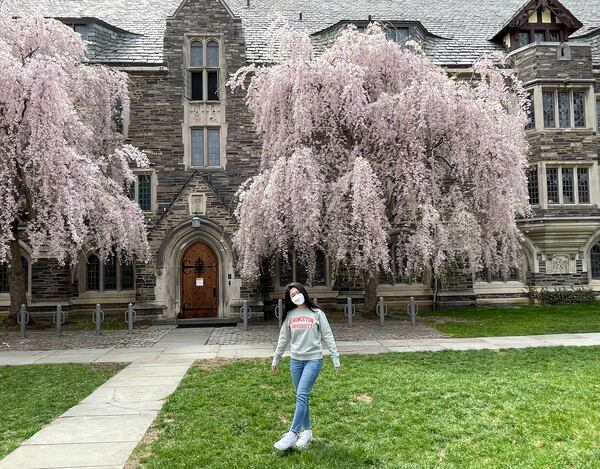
<point>362,329</point>
<point>103,429</point>
<point>260,331</point>
<point>47,340</point>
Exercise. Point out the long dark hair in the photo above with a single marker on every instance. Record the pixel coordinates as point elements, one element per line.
<point>288,304</point>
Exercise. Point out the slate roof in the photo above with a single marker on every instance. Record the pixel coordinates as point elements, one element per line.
<point>462,28</point>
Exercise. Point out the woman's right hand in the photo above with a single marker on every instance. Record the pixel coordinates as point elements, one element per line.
<point>273,369</point>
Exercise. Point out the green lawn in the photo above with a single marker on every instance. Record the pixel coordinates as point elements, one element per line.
<point>524,320</point>
<point>527,408</point>
<point>31,396</point>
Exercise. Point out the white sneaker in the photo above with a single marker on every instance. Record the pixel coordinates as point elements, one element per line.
<point>304,438</point>
<point>287,441</point>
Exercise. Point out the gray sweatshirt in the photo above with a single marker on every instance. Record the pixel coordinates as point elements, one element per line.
<point>305,328</point>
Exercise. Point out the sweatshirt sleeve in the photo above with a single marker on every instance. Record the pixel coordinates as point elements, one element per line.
<point>284,337</point>
<point>327,335</point>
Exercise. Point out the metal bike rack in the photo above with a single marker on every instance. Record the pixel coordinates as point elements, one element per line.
<point>349,311</point>
<point>245,313</point>
<point>59,318</point>
<point>130,318</point>
<point>382,310</point>
<point>98,318</point>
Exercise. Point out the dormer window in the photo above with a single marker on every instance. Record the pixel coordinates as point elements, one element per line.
<point>523,38</point>
<point>397,35</point>
<point>81,28</point>
<point>539,36</point>
<point>547,21</point>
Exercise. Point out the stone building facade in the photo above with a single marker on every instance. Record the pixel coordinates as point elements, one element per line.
<point>202,144</point>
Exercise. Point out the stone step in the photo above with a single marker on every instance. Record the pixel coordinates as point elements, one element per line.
<point>208,322</point>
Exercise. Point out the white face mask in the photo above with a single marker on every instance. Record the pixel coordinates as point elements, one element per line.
<point>298,299</point>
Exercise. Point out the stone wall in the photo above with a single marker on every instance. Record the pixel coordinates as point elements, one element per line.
<point>544,61</point>
<point>51,282</point>
<point>563,145</point>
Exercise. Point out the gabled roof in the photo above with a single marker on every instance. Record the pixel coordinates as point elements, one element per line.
<point>521,17</point>
<point>459,30</point>
<point>386,23</point>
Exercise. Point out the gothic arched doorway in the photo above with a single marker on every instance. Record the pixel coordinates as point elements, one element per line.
<point>199,282</point>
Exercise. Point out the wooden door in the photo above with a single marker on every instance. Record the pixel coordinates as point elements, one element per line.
<point>199,282</point>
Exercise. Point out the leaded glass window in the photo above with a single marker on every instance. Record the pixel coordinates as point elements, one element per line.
<point>3,278</point>
<point>539,36</point>
<point>564,111</point>
<point>579,108</point>
<point>552,185</point>
<point>568,191</point>
<point>555,36</point>
<point>548,103</point>
<point>523,38</point>
<point>93,273</point>
<point>294,270</point>
<point>531,112</point>
<point>110,274</point>
<point>197,147</point>
<point>127,276</point>
<point>206,146</point>
<point>145,192</point>
<point>595,262</point>
<point>196,54</point>
<point>301,273</point>
<point>583,185</point>
<point>214,147</point>
<point>117,115</point>
<point>4,275</point>
<point>286,265</point>
<point>533,186</point>
<point>212,54</point>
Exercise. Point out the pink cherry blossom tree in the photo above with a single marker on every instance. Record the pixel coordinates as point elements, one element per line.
<point>64,167</point>
<point>367,145</point>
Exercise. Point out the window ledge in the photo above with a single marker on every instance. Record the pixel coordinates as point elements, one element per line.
<point>551,206</point>
<point>105,297</point>
<point>564,129</point>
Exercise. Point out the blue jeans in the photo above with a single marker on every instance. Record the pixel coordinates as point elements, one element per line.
<point>304,375</point>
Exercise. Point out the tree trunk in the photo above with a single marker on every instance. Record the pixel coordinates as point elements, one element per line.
<point>370,283</point>
<point>16,283</point>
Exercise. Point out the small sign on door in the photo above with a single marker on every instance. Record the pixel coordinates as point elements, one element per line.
<point>199,281</point>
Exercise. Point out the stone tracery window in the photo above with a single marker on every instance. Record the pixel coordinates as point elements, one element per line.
<point>110,276</point>
<point>595,262</point>
<point>204,63</point>
<point>294,271</point>
<point>4,275</point>
<point>568,185</point>
<point>567,108</point>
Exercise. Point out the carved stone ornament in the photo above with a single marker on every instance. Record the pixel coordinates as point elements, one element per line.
<point>560,265</point>
<point>202,114</point>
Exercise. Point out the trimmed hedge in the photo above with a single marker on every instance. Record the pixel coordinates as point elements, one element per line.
<point>563,296</point>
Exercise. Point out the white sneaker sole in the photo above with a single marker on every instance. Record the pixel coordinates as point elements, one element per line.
<point>285,448</point>
<point>301,446</point>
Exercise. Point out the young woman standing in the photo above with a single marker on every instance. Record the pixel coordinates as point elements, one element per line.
<point>304,324</point>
